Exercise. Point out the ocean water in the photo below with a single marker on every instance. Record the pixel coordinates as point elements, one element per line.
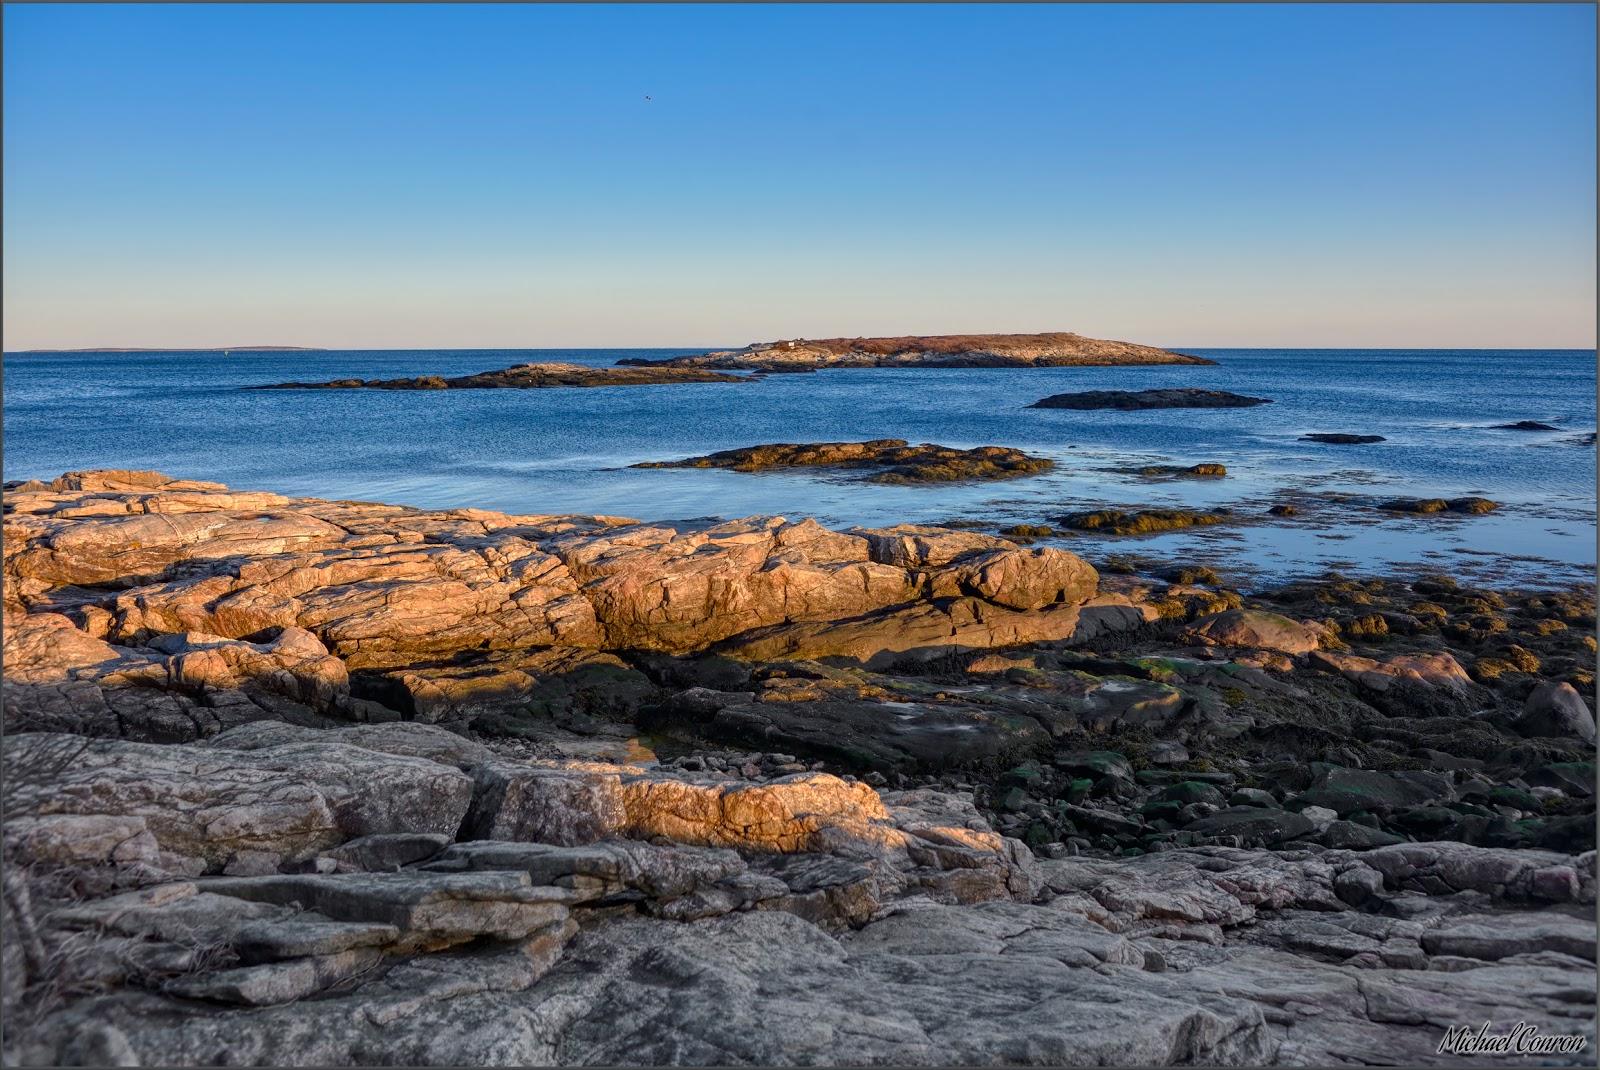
<point>567,450</point>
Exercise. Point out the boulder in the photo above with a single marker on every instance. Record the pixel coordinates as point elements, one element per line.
<point>1253,629</point>
<point>1555,709</point>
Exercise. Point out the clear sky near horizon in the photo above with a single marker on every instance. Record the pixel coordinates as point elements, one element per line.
<point>463,176</point>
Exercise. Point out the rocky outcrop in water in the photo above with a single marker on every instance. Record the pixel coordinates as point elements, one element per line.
<point>886,460</point>
<point>1171,398</point>
<point>1138,521</point>
<point>936,351</point>
<point>526,377</point>
<point>1468,506</point>
<point>1340,438</point>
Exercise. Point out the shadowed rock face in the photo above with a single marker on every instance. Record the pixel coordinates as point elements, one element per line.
<point>887,460</point>
<point>525,377</point>
<point>1175,398</point>
<point>937,351</point>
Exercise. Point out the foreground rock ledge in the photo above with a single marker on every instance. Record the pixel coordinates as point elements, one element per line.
<point>934,351</point>
<point>567,925</point>
<point>525,377</point>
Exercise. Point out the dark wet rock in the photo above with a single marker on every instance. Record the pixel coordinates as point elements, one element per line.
<point>936,351</point>
<point>885,736</point>
<point>889,460</point>
<point>1174,398</point>
<point>1347,835</point>
<point>1253,825</point>
<point>1556,709</point>
<point>1525,425</point>
<point>1206,470</point>
<point>527,377</point>
<point>1339,438</point>
<point>1349,791</point>
<point>1576,778</point>
<point>1095,764</point>
<point>1470,506</point>
<point>1137,522</point>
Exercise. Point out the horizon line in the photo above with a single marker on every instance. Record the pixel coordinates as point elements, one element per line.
<point>703,348</point>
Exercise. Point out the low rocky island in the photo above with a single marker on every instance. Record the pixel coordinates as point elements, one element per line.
<point>1173,398</point>
<point>1340,438</point>
<point>291,781</point>
<point>525,377</point>
<point>884,460</point>
<point>934,351</point>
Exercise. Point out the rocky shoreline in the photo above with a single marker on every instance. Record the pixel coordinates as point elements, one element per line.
<point>343,783</point>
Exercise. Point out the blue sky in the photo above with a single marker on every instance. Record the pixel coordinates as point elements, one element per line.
<point>460,175</point>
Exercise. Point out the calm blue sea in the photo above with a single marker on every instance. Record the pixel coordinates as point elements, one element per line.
<point>550,451</point>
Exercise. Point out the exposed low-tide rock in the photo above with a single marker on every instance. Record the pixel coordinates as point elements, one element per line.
<point>1525,425</point>
<point>889,460</point>
<point>1432,670</point>
<point>1556,709</point>
<point>1172,398</point>
<point>1138,521</point>
<point>1424,506</point>
<point>1254,629</point>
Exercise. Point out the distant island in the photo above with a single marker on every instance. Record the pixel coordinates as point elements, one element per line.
<point>185,349</point>
<point>935,351</point>
<point>525,377</point>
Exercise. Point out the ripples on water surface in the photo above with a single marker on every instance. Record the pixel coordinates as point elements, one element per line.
<point>566,450</point>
